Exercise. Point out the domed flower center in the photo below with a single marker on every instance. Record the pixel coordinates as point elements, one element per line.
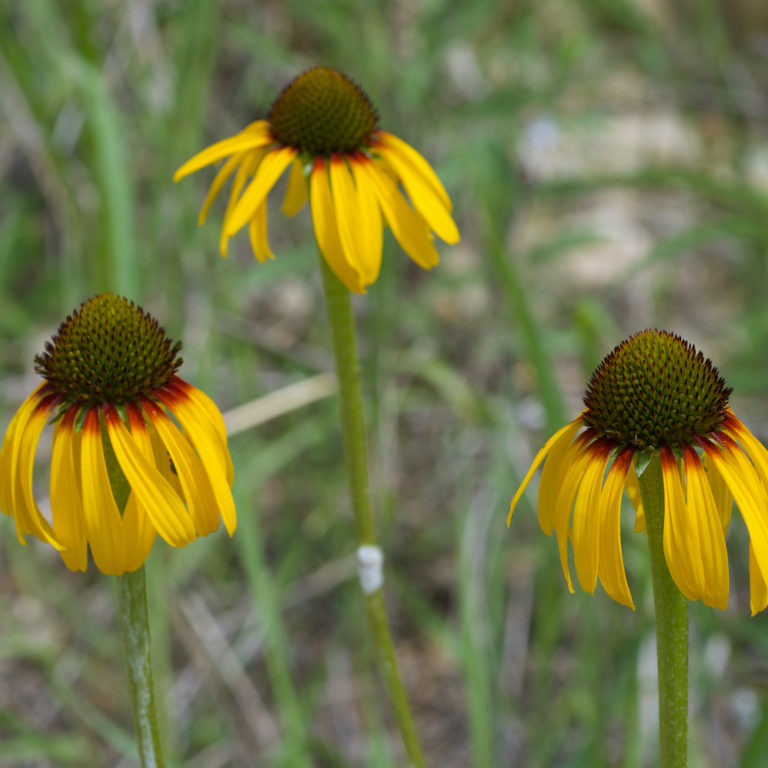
<point>109,351</point>
<point>322,112</point>
<point>655,389</point>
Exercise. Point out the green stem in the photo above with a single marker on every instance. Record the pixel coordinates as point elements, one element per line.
<point>671,609</point>
<point>339,309</point>
<point>138,658</point>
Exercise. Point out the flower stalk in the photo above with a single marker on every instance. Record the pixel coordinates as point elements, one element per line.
<point>671,609</point>
<point>138,658</point>
<point>341,321</point>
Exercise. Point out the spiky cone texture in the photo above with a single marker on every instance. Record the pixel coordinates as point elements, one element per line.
<point>655,393</point>
<point>324,127</point>
<point>115,400</point>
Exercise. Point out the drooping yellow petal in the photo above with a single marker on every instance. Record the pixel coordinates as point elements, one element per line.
<point>611,570</point>
<point>720,492</point>
<point>577,458</point>
<point>139,534</point>
<point>257,232</point>
<point>369,206</point>
<point>211,451</point>
<point>9,451</point>
<point>752,446</point>
<point>706,558</point>
<point>410,155</point>
<point>564,434</point>
<point>587,516</point>
<point>748,492</point>
<point>183,392</point>
<point>198,493</point>
<point>245,170</point>
<point>422,194</point>
<point>66,499</point>
<point>162,461</point>
<point>370,214</point>
<point>255,136</point>
<point>675,512</point>
<point>326,230</point>
<point>408,226</point>
<point>296,194</point>
<point>134,451</point>
<point>552,477</point>
<point>23,437</point>
<point>103,524</point>
<point>10,484</point>
<point>355,224</point>
<point>269,171</point>
<point>223,174</point>
<point>758,587</point>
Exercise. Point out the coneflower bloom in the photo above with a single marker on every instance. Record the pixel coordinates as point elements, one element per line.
<point>325,128</point>
<point>655,394</point>
<point>136,452</point>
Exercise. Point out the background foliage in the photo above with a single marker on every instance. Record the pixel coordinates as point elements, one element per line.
<point>608,161</point>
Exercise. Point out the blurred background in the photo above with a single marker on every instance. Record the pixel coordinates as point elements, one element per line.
<point>608,163</point>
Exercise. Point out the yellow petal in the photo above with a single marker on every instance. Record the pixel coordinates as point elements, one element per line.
<point>211,451</point>
<point>577,458</point>
<point>17,463</point>
<point>758,588</point>
<point>243,172</point>
<point>162,460</point>
<point>752,446</point>
<point>296,194</point>
<point>9,450</point>
<point>674,525</point>
<point>370,213</point>
<point>257,232</point>
<point>410,155</point>
<point>422,195</point>
<point>706,558</point>
<point>224,173</point>
<point>358,220</point>
<point>408,226</point>
<point>255,136</point>
<point>720,492</point>
<point>139,534</point>
<point>269,171</point>
<point>748,492</point>
<point>587,516</point>
<point>611,570</point>
<point>183,391</point>
<point>326,230</point>
<point>552,476</point>
<point>66,499</point>
<point>9,463</point>
<point>103,524</point>
<point>565,435</point>
<point>134,454</point>
<point>198,493</point>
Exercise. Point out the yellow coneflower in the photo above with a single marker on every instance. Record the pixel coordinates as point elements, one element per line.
<point>113,393</point>
<point>655,394</point>
<point>325,127</point>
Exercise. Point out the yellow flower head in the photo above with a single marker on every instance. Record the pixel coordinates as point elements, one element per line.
<point>325,128</point>
<point>655,394</point>
<point>122,470</point>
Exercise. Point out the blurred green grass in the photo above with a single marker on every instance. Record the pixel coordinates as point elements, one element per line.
<point>466,368</point>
